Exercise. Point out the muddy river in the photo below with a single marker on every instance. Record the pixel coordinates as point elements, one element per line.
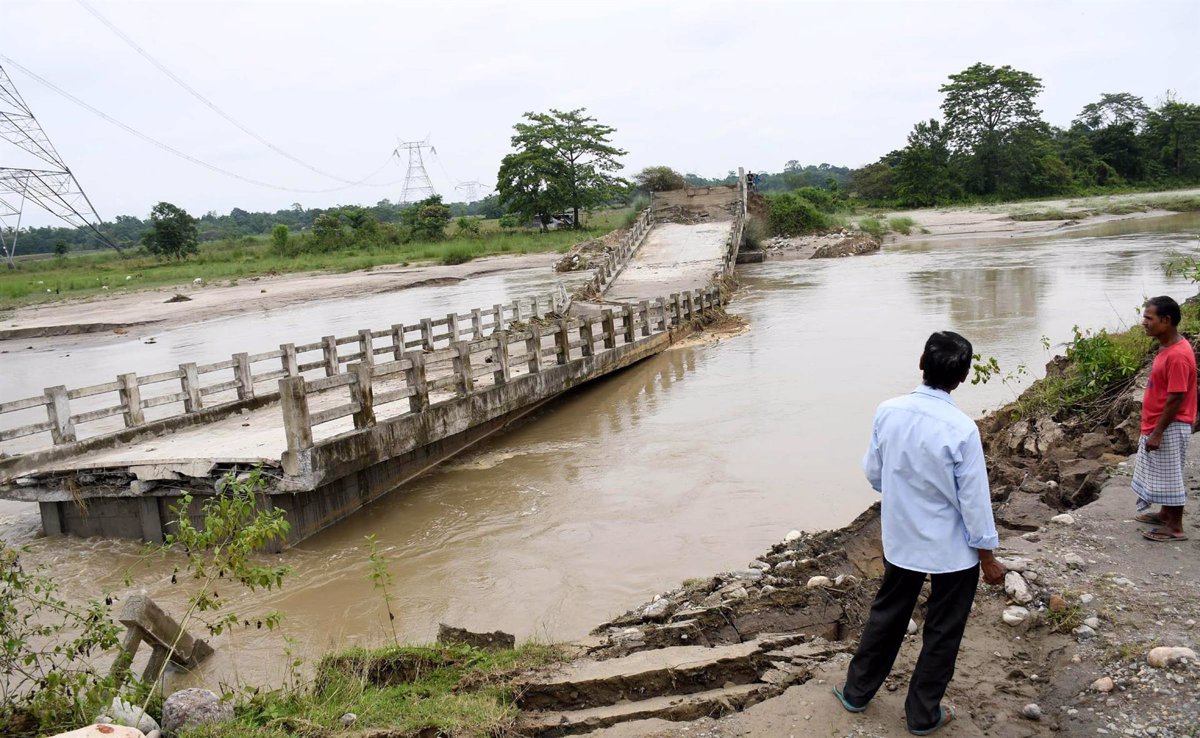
<point>686,464</point>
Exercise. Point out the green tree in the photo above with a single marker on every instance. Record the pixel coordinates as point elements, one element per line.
<point>875,181</point>
<point>279,237</point>
<point>983,106</point>
<point>1112,127</point>
<point>531,185</point>
<point>427,219</point>
<point>1173,137</point>
<point>658,179</point>
<point>61,249</point>
<point>172,232</point>
<point>327,231</point>
<point>923,175</point>
<point>569,146</point>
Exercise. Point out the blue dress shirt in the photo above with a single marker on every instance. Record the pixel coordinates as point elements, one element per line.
<point>927,461</point>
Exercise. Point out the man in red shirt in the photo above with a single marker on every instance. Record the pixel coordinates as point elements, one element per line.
<point>1168,413</point>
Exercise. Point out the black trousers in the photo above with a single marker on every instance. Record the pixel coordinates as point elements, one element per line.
<point>948,606</point>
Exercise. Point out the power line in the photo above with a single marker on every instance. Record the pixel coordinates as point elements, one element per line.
<point>213,106</point>
<point>172,150</point>
<point>416,179</point>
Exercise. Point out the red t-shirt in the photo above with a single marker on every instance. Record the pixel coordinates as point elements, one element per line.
<point>1174,370</point>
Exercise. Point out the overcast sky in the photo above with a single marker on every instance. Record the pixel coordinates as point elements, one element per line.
<point>700,86</point>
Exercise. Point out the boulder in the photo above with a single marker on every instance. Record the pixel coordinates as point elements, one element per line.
<point>1016,588</point>
<point>1163,656</point>
<point>818,581</point>
<point>1094,445</point>
<point>1063,519</point>
<point>122,712</point>
<point>102,730</point>
<point>1014,615</point>
<point>1103,684</point>
<point>189,708</point>
<point>494,641</point>
<point>1031,712</point>
<point>1023,512</point>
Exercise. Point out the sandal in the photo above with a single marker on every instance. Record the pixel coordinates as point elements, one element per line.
<point>945,717</point>
<point>1158,535</point>
<point>1150,518</point>
<point>837,691</point>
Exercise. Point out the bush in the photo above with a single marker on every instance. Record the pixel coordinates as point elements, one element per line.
<point>791,215</point>
<point>903,224</point>
<point>872,226</point>
<point>755,234</point>
<point>821,199</point>
<point>467,226</point>
<point>457,255</point>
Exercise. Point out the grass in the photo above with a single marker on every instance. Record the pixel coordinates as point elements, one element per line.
<point>902,224</point>
<point>1051,214</point>
<point>873,226</point>
<point>88,274</point>
<point>444,690</point>
<point>1065,620</point>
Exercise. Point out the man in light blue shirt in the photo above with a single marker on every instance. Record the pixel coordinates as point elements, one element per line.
<point>927,461</point>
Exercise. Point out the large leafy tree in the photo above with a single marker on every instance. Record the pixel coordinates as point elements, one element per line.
<point>427,219</point>
<point>561,159</point>
<point>659,179</point>
<point>983,107</point>
<point>923,174</point>
<point>1173,135</point>
<point>1112,127</point>
<point>172,232</point>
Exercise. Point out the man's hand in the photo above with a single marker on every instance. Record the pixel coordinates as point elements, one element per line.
<point>1153,441</point>
<point>993,570</point>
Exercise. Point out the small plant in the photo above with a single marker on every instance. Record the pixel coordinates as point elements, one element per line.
<point>901,224</point>
<point>872,226</point>
<point>457,254</point>
<point>382,580</point>
<point>467,227</point>
<point>1065,620</point>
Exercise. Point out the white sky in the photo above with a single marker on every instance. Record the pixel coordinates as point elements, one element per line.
<point>700,86</point>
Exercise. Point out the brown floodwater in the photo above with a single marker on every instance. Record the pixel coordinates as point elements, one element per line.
<point>686,464</point>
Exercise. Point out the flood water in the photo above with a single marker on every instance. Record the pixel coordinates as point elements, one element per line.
<point>686,464</point>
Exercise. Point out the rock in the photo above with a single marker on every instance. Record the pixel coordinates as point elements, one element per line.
<point>1023,512</point>
<point>751,574</point>
<point>768,589</point>
<point>791,536</point>
<point>912,627</point>
<point>1093,623</point>
<point>1084,633</point>
<point>189,708</point>
<point>1057,603</point>
<point>1074,560</point>
<point>818,581</point>
<point>1103,684</point>
<point>760,565</point>
<point>1094,445</point>
<point>122,712</point>
<point>1017,589</point>
<point>656,609</point>
<point>103,731</point>
<point>1123,582</point>
<point>197,281</point>
<point>1030,576</point>
<point>1014,615</point>
<point>348,719</point>
<point>1167,655</point>
<point>1016,563</point>
<point>1087,599</point>
<point>845,580</point>
<point>494,641</point>
<point>1063,519</point>
<point>1031,712</point>
<point>737,593</point>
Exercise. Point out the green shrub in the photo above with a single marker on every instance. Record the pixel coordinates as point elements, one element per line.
<point>902,224</point>
<point>791,215</point>
<point>872,226</point>
<point>457,254</point>
<point>823,200</point>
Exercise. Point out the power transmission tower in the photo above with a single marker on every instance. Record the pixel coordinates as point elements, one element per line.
<point>417,185</point>
<point>54,189</point>
<point>470,190</point>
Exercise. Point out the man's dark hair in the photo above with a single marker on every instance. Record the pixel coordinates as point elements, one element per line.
<point>1165,307</point>
<point>946,360</point>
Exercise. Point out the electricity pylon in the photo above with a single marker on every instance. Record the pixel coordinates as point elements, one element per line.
<point>54,188</point>
<point>417,185</point>
<point>470,190</point>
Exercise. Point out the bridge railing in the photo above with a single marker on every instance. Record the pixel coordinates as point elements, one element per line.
<point>615,261</point>
<point>424,378</point>
<point>73,414</point>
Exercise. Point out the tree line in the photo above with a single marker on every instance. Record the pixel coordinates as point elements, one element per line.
<point>992,143</point>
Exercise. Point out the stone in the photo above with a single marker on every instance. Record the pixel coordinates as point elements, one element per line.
<point>1016,563</point>
<point>1016,588</point>
<point>1084,633</point>
<point>912,627</point>
<point>1014,615</point>
<point>1103,684</point>
<point>1086,599</point>
<point>1030,576</point>
<point>348,719</point>
<point>103,730</point>
<point>1031,712</point>
<point>656,609</point>
<point>189,708</point>
<point>122,712</point>
<point>1023,512</point>
<point>1123,582</point>
<point>1074,560</point>
<point>760,565</point>
<point>1063,519</point>
<point>791,536</point>
<point>751,574</point>
<point>737,593</point>
<point>1163,656</point>
<point>845,580</point>
<point>494,641</point>
<point>818,581</point>
<point>1094,445</point>
<point>1093,623</point>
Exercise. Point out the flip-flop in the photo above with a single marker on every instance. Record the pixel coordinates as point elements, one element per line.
<point>945,717</point>
<point>1150,518</point>
<point>1158,536</point>
<point>837,691</point>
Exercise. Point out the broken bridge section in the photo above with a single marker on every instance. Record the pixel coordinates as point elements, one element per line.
<point>336,423</point>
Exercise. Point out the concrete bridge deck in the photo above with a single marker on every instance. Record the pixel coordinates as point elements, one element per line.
<point>336,423</point>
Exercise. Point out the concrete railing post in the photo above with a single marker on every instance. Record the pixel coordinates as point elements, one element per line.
<point>662,313</point>
<point>517,316</point>
<point>462,368</point>
<point>609,328</point>
<point>689,305</point>
<point>329,350</point>
<point>676,309</point>
<point>498,321</point>
<point>363,395</point>
<point>627,317</point>
<point>190,385</point>
<point>58,409</point>
<point>500,357</point>
<point>533,348</point>
<point>297,426</point>
<point>562,341</point>
<point>537,307</point>
<point>366,346</point>
<point>131,400</point>
<point>585,335</point>
<point>418,401</point>
<point>427,334</point>
<point>398,342</point>
<point>644,317</point>
<point>452,326</point>
<point>288,359</point>
<point>241,372</point>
